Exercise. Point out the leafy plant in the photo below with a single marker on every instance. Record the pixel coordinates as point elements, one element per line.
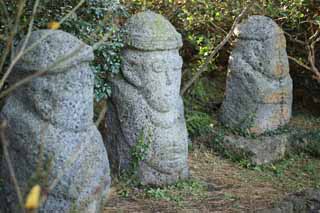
<point>90,23</point>
<point>139,151</point>
<point>178,191</point>
<point>198,123</point>
<point>307,141</point>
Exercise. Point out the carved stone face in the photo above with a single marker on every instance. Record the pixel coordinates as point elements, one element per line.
<point>64,99</point>
<point>157,74</point>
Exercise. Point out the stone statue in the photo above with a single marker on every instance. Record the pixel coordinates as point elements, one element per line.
<point>50,130</point>
<point>146,109</point>
<point>258,94</point>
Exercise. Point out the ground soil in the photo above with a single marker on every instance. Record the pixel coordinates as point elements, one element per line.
<point>226,186</point>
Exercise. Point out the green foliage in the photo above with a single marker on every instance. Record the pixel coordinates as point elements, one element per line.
<point>201,23</point>
<point>91,23</point>
<point>158,194</point>
<point>178,191</point>
<point>294,169</point>
<point>217,142</point>
<point>240,158</point>
<point>198,123</point>
<point>307,141</point>
<point>129,178</point>
<point>204,23</point>
<point>139,151</point>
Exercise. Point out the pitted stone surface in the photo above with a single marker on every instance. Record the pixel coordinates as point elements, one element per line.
<point>53,116</point>
<point>258,94</point>
<point>52,49</point>
<point>150,31</point>
<point>146,101</point>
<point>258,151</point>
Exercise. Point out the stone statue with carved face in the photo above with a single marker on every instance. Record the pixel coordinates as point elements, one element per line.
<point>146,109</point>
<point>50,128</point>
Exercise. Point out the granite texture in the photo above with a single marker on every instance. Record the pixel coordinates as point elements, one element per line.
<point>258,94</point>
<point>146,102</point>
<point>258,151</point>
<point>51,129</point>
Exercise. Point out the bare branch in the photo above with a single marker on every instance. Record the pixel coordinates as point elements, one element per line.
<point>312,54</point>
<point>6,74</point>
<point>62,172</point>
<point>204,67</point>
<point>295,39</point>
<point>71,12</point>
<point>101,114</point>
<point>300,63</point>
<point>13,32</point>
<point>59,63</point>
<point>10,167</point>
<point>5,11</point>
<point>34,45</point>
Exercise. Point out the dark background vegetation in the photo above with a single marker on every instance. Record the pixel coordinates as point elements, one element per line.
<point>203,25</point>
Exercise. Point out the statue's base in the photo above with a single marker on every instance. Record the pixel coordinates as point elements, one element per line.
<point>258,151</point>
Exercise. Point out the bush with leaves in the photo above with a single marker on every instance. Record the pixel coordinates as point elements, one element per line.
<point>91,22</point>
<point>204,23</point>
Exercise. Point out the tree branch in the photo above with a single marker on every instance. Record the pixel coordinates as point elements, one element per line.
<point>12,174</point>
<point>13,32</point>
<point>6,74</point>
<point>204,67</point>
<point>300,63</point>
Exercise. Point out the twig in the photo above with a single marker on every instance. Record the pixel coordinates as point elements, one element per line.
<point>21,53</point>
<point>63,60</point>
<point>62,172</point>
<point>294,39</point>
<point>101,114</point>
<point>6,74</point>
<point>300,63</point>
<point>13,32</point>
<point>71,12</point>
<point>8,160</point>
<point>56,64</point>
<point>312,54</point>
<point>219,28</point>
<point>60,62</point>
<point>204,67</point>
<point>5,11</point>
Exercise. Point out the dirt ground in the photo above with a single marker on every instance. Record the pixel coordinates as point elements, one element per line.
<point>219,185</point>
<point>227,187</point>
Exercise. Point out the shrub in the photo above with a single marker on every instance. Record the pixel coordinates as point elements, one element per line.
<point>198,123</point>
<point>90,23</point>
<point>204,23</point>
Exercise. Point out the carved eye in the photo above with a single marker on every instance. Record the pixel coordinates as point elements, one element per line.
<point>158,67</point>
<point>129,63</point>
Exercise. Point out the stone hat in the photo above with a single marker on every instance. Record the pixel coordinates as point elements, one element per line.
<point>56,46</point>
<point>151,31</point>
<point>258,28</point>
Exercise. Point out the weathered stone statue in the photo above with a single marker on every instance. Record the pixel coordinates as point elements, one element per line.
<point>146,115</point>
<point>51,134</point>
<point>258,95</point>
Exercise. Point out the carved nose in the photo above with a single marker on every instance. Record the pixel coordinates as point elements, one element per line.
<point>168,80</point>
